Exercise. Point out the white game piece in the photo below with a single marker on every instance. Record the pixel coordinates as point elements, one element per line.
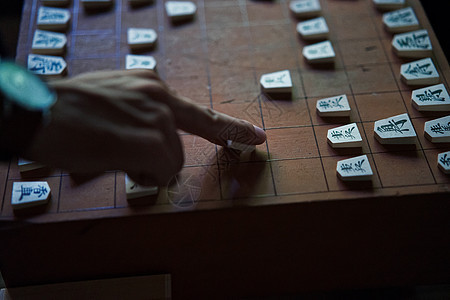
<point>389,4</point>
<point>140,38</point>
<point>48,42</point>
<point>336,106</point>
<point>346,136</point>
<point>432,98</point>
<point>412,44</point>
<point>322,52</point>
<point>55,2</point>
<point>401,20</point>
<point>180,10</point>
<point>444,162</point>
<point>313,29</point>
<point>419,72</point>
<point>240,146</point>
<point>305,8</point>
<point>29,193</point>
<point>51,18</point>
<point>355,168</point>
<point>438,130</point>
<point>46,65</point>
<point>28,165</point>
<point>134,190</point>
<point>140,62</point>
<point>395,130</point>
<point>277,82</point>
<point>96,4</point>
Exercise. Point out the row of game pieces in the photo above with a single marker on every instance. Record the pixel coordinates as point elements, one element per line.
<point>48,46</point>
<point>29,194</point>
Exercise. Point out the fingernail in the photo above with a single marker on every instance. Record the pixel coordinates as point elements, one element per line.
<point>261,134</point>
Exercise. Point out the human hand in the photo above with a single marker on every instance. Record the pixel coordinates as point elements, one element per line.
<point>128,120</point>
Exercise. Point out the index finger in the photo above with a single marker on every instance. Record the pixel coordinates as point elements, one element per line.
<point>216,127</point>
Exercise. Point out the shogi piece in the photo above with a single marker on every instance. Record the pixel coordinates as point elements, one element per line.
<point>96,4</point>
<point>29,194</point>
<point>432,98</point>
<point>443,161</point>
<point>55,2</point>
<point>141,38</point>
<point>419,72</point>
<point>277,82</point>
<point>135,191</point>
<point>140,62</point>
<point>336,106</point>
<point>48,42</point>
<point>388,4</point>
<point>346,136</point>
<point>305,8</point>
<point>240,146</point>
<point>401,20</point>
<point>319,53</point>
<point>46,65</point>
<point>313,29</point>
<point>354,169</point>
<point>438,130</point>
<point>395,130</point>
<point>28,165</point>
<point>179,11</point>
<point>51,18</point>
<point>415,44</point>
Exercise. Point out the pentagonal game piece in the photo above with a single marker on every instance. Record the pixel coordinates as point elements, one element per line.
<point>401,20</point>
<point>29,194</point>
<point>134,190</point>
<point>356,168</point>
<point>443,161</point>
<point>389,4</point>
<point>438,130</point>
<point>48,42</point>
<point>140,62</point>
<point>277,82</point>
<point>336,106</point>
<point>240,146</point>
<point>55,2</point>
<point>141,38</point>
<point>395,130</point>
<point>432,98</point>
<point>313,29</point>
<point>322,52</point>
<point>179,11</point>
<point>96,4</point>
<point>46,65</point>
<point>412,44</point>
<point>305,8</point>
<point>346,136</point>
<point>51,18</point>
<point>28,165</point>
<point>419,72</point>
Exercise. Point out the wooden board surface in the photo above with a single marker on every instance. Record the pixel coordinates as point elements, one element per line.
<point>217,60</point>
<point>225,210</point>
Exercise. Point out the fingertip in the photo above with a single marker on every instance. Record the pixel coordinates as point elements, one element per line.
<point>261,136</point>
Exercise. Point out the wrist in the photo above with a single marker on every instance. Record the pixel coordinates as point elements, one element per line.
<point>25,107</point>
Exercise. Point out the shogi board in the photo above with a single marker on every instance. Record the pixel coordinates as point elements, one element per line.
<point>278,220</point>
